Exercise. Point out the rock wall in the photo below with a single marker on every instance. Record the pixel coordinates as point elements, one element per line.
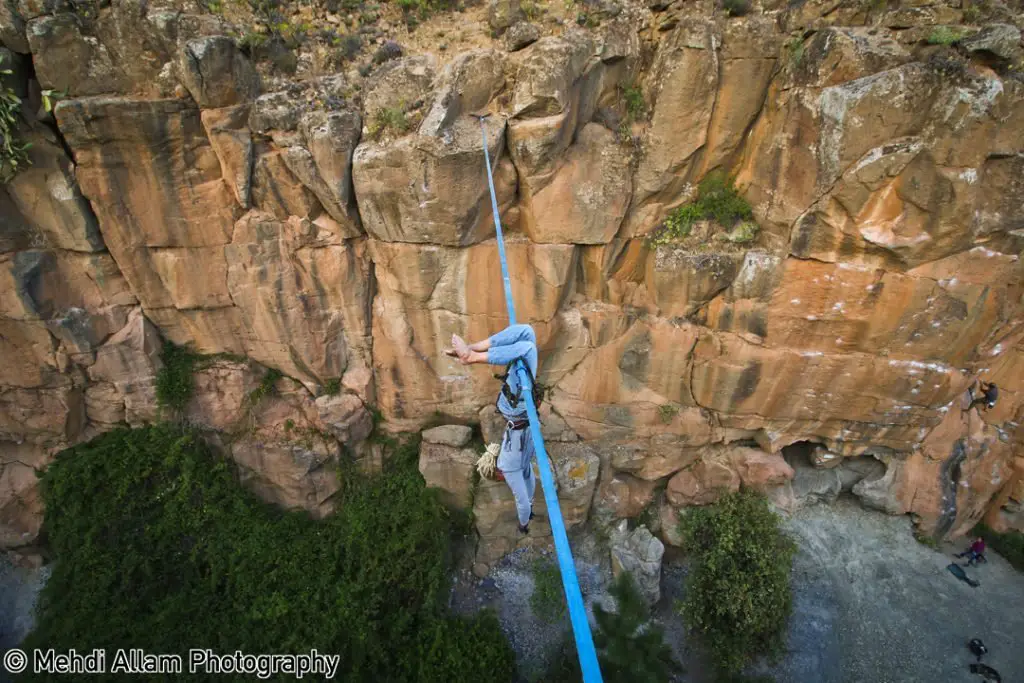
<point>182,191</point>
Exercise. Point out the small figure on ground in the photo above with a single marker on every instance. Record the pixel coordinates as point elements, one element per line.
<point>515,460</point>
<point>975,553</point>
<point>990,393</point>
<point>977,647</point>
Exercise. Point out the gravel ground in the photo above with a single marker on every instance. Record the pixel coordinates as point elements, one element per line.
<point>870,604</point>
<point>873,604</point>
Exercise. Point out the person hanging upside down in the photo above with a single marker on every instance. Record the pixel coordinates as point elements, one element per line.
<point>515,461</point>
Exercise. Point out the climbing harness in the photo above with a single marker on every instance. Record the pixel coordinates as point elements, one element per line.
<point>574,599</point>
<point>513,397</point>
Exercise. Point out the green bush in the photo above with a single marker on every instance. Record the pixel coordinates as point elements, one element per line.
<point>388,120</point>
<point>157,547</point>
<point>717,200</point>
<point>174,380</point>
<point>13,152</point>
<point>1010,545</point>
<point>548,598</point>
<point>738,596</point>
<point>943,35</point>
<point>636,108</point>
<point>332,387</point>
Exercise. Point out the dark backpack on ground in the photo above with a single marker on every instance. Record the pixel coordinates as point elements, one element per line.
<point>977,647</point>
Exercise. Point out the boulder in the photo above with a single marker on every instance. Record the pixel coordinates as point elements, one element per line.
<point>576,469</point>
<point>216,72</point>
<point>625,496</point>
<point>427,189</point>
<point>759,470</point>
<point>345,417</point>
<point>813,485</point>
<point>324,164</point>
<point>450,469</point>
<point>702,484</point>
<point>520,35</point>
<point>496,522</point>
<point>154,181</point>
<point>41,285</point>
<point>278,190</point>
<point>639,553</point>
<point>881,492</point>
<point>465,87</point>
<point>668,518</point>
<point>1002,40</point>
<point>681,281</point>
<point>12,27</point>
<point>399,84</point>
<point>104,403</point>
<point>291,474</point>
<point>130,356</point>
<point>502,14</point>
<point>454,436</point>
<point>587,198</point>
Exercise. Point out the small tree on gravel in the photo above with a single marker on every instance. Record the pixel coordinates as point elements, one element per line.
<point>631,649</point>
<point>738,597</point>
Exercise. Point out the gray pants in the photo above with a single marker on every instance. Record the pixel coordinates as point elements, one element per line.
<point>516,463</point>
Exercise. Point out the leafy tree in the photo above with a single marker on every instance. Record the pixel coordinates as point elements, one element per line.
<point>738,597</point>
<point>631,648</point>
<point>158,547</point>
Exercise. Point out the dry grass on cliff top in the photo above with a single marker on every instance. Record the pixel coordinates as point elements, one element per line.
<point>331,36</point>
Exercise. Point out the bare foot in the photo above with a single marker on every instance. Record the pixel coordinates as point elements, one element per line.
<point>460,348</point>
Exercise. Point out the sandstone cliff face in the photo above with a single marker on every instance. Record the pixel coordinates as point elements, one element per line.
<point>183,192</point>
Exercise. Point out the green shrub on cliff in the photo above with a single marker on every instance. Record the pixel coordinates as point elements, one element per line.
<point>738,597</point>
<point>13,152</point>
<point>158,547</point>
<point>717,200</point>
<point>174,380</point>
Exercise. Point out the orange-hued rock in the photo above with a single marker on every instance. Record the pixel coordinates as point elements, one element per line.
<point>314,231</point>
<point>587,198</point>
<point>623,495</point>
<point>427,293</point>
<point>702,484</point>
<point>681,92</point>
<point>810,385</point>
<point>427,189</point>
<point>757,469</point>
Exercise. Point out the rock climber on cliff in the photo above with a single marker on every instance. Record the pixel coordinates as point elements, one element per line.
<point>990,393</point>
<point>515,460</point>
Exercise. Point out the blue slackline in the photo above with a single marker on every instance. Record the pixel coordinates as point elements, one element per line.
<point>577,611</point>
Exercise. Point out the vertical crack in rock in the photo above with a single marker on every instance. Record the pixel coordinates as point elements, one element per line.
<point>949,479</point>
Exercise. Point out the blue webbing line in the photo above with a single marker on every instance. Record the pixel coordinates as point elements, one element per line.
<point>577,612</point>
